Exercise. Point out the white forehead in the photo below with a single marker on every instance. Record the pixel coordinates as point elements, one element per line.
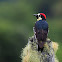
<point>38,13</point>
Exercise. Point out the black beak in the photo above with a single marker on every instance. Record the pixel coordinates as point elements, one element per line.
<point>35,14</point>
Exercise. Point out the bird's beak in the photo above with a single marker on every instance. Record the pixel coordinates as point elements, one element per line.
<point>35,14</point>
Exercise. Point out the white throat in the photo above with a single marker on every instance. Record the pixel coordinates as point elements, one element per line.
<point>39,19</point>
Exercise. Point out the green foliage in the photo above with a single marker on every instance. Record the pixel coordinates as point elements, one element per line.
<point>14,23</point>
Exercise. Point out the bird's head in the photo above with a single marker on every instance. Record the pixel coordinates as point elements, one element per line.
<point>40,16</point>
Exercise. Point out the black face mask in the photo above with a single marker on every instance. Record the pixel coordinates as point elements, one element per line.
<point>37,17</point>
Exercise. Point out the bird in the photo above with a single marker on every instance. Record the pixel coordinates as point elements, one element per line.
<point>47,50</point>
<point>40,16</point>
<point>41,27</point>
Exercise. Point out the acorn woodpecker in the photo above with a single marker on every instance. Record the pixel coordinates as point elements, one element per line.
<point>41,27</point>
<point>40,16</point>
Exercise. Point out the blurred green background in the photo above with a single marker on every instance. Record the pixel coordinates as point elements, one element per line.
<point>17,21</point>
